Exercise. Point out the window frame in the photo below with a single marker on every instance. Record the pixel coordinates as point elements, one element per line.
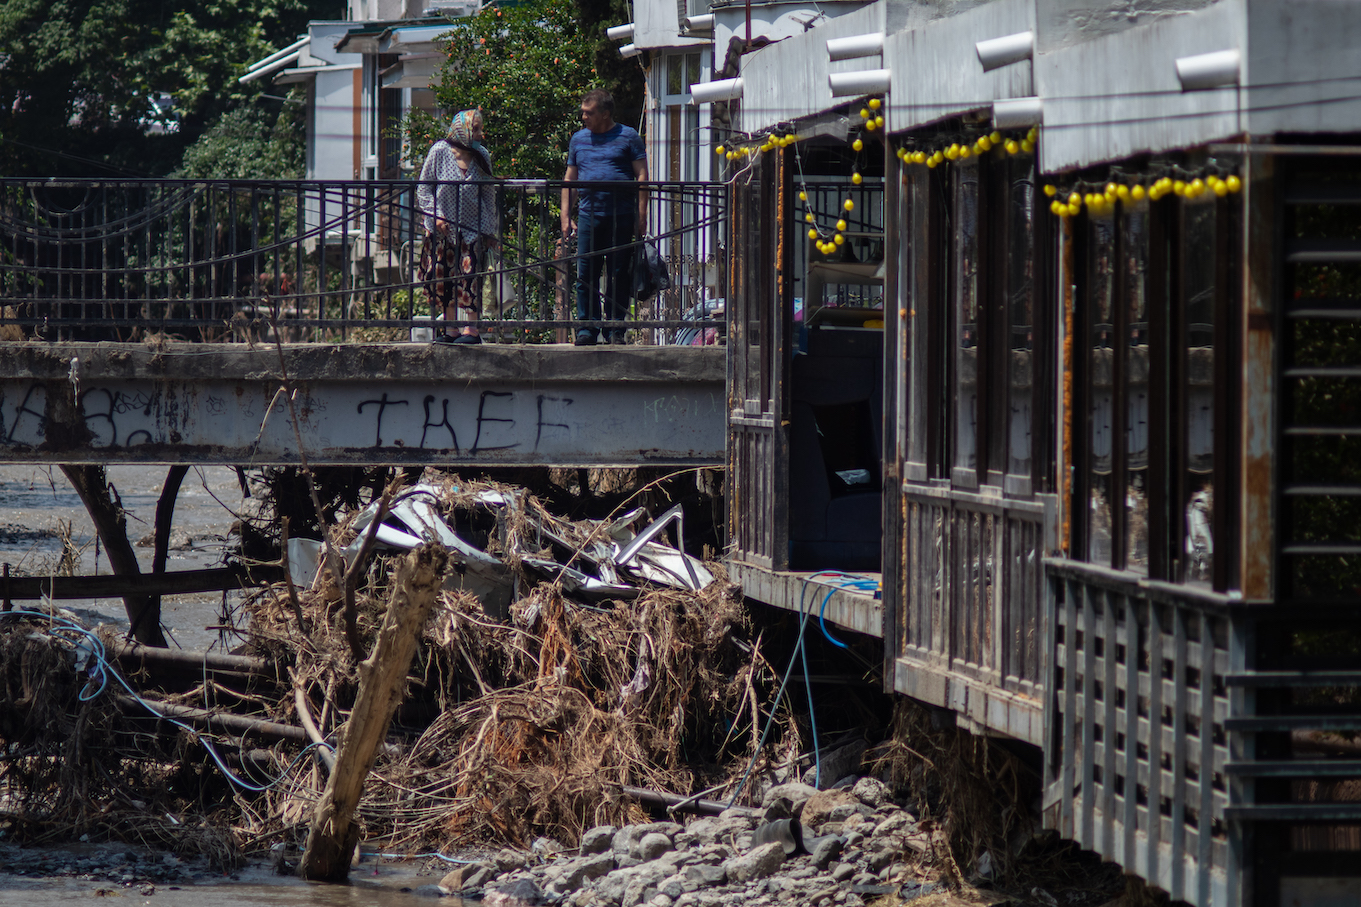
<point>932,286</point>
<point>1165,307</point>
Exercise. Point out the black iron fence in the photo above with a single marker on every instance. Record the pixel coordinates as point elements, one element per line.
<point>329,261</point>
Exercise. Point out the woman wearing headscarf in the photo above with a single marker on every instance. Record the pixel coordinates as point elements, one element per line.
<point>458,203</point>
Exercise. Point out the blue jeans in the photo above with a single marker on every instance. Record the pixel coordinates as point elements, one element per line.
<point>598,232</point>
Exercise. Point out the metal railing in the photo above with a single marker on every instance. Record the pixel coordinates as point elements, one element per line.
<point>247,261</point>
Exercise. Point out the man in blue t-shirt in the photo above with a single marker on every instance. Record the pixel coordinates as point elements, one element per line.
<point>608,219</point>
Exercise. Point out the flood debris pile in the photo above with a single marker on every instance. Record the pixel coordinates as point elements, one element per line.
<point>563,662</point>
<point>570,681</point>
<point>42,706</point>
<point>566,666</point>
<point>83,758</point>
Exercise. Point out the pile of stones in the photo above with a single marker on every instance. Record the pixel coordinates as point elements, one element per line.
<point>141,870</point>
<point>836,848</point>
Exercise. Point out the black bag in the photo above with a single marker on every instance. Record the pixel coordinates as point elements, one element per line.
<point>650,274</point>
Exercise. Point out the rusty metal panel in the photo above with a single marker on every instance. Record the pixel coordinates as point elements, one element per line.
<point>88,403</point>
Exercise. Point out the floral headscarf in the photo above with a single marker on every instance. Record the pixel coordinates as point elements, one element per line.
<point>461,134</point>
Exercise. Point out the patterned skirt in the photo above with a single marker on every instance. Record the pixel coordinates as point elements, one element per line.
<point>451,270</point>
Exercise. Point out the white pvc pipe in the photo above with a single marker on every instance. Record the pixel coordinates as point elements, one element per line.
<point>698,25</point>
<point>1017,113</point>
<point>722,90</point>
<point>851,84</point>
<point>620,32</point>
<point>628,50</point>
<point>1211,70</point>
<point>855,46</point>
<point>996,52</point>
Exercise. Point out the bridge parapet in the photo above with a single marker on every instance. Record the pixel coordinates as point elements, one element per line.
<point>325,261</point>
<point>356,404</point>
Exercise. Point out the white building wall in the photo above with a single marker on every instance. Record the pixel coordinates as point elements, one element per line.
<point>935,68</point>
<point>333,140</point>
<point>788,81</point>
<point>1119,95</point>
<point>656,24</point>
<point>1303,64</point>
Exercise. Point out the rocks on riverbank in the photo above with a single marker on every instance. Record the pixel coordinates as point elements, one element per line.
<point>808,847</point>
<point>139,870</point>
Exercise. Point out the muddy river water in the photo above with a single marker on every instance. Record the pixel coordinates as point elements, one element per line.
<point>37,508</point>
<point>389,885</point>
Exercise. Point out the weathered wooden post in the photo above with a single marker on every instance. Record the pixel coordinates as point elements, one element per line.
<point>382,679</point>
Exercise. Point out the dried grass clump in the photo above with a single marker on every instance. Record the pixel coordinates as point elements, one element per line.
<point>974,792</point>
<point>588,701</point>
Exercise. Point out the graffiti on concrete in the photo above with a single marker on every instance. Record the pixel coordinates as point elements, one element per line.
<point>256,419</point>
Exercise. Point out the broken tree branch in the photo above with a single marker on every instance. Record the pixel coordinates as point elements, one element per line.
<point>382,682</point>
<point>110,520</point>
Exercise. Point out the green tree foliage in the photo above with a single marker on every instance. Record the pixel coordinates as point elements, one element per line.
<point>527,67</point>
<point>79,78</point>
<point>251,141</point>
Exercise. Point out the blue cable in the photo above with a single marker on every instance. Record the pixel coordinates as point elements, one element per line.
<point>103,670</point>
<point>822,621</point>
<point>848,581</point>
<point>812,714</point>
<point>760,744</point>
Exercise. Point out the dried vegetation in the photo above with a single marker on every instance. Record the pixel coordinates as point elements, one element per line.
<point>532,725</point>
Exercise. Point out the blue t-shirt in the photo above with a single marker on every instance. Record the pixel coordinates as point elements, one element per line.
<point>607,155</point>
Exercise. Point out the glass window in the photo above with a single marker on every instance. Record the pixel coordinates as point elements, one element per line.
<point>1198,295</point>
<point>1134,277</point>
<point>1101,282</point>
<point>964,270</point>
<point>675,74</point>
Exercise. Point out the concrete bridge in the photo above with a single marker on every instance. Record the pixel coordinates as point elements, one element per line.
<point>398,403</point>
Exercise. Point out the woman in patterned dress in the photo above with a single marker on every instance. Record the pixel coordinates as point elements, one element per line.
<point>461,224</point>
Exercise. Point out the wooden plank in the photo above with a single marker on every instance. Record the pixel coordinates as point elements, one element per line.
<point>181,582</point>
<point>382,683</point>
<point>236,724</point>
